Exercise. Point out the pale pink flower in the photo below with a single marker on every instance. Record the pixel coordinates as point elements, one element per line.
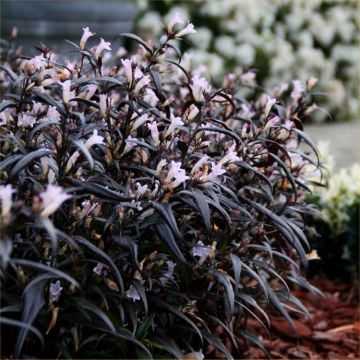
<point>6,192</point>
<point>216,171</point>
<point>53,114</point>
<point>127,64</point>
<point>200,249</point>
<point>150,97</point>
<point>199,164</point>
<point>98,269</point>
<point>139,121</point>
<point>37,62</point>
<point>37,107</point>
<point>67,93</point>
<point>192,112</point>
<point>72,160</point>
<point>26,120</point>
<point>269,104</point>
<point>141,189</point>
<point>272,122</point>
<point>138,74</point>
<point>198,87</point>
<point>133,294</point>
<point>175,122</point>
<point>189,29</point>
<point>94,139</point>
<point>280,89</point>
<point>311,82</point>
<point>102,104</point>
<point>231,156</point>
<point>246,111</point>
<point>144,81</point>
<point>176,175</point>
<point>87,33</point>
<point>103,45</point>
<point>176,19</point>
<point>248,76</point>
<point>54,292</point>
<point>52,199</point>
<point>298,90</point>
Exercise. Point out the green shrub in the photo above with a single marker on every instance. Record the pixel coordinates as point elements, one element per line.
<point>337,224</point>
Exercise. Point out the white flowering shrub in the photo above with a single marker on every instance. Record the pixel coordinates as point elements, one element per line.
<point>283,40</point>
<point>337,224</point>
<point>142,208</point>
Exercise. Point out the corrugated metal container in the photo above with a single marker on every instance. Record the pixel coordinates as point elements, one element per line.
<point>52,21</point>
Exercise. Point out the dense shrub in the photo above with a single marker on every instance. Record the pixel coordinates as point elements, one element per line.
<point>283,40</point>
<point>337,223</point>
<point>142,208</point>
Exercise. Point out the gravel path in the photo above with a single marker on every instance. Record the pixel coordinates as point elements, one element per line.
<point>344,139</point>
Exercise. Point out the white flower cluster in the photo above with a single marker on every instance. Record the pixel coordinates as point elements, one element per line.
<point>284,39</point>
<point>342,193</point>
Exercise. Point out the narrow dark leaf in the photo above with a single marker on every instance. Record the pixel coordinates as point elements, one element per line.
<point>138,40</point>
<point>203,207</point>
<point>176,312</point>
<point>27,159</point>
<point>164,209</point>
<point>104,257</point>
<point>166,235</point>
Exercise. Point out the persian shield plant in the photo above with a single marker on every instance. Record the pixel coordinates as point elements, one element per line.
<point>142,208</point>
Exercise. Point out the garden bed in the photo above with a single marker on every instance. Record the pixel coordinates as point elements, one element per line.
<point>332,333</point>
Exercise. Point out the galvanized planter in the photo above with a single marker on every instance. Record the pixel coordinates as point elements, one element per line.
<point>52,21</point>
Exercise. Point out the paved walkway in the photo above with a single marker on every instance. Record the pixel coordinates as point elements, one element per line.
<point>344,139</point>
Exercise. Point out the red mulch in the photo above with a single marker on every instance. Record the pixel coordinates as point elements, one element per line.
<point>332,333</point>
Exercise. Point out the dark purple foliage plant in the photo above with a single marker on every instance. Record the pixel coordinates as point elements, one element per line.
<point>142,208</point>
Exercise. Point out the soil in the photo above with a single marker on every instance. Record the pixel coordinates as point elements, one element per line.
<point>332,332</point>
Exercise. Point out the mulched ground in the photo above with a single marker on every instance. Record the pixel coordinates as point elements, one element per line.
<point>332,333</point>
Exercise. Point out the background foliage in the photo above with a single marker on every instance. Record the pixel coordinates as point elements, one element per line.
<point>282,39</point>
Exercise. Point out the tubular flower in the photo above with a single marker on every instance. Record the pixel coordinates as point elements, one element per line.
<point>216,171</point>
<point>272,122</point>
<point>298,90</point>
<point>6,192</point>
<point>139,121</point>
<point>67,94</point>
<point>55,292</point>
<point>26,120</point>
<point>102,104</point>
<point>231,156</point>
<point>94,139</point>
<point>87,33</point>
<point>103,45</point>
<point>141,189</point>
<point>53,114</point>
<point>199,164</point>
<point>189,29</point>
<point>269,104</point>
<point>176,19</point>
<point>175,122</point>
<point>133,294</point>
<point>198,87</point>
<point>176,175</point>
<point>200,249</point>
<point>144,81</point>
<point>154,132</point>
<point>52,199</point>
<point>127,64</point>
